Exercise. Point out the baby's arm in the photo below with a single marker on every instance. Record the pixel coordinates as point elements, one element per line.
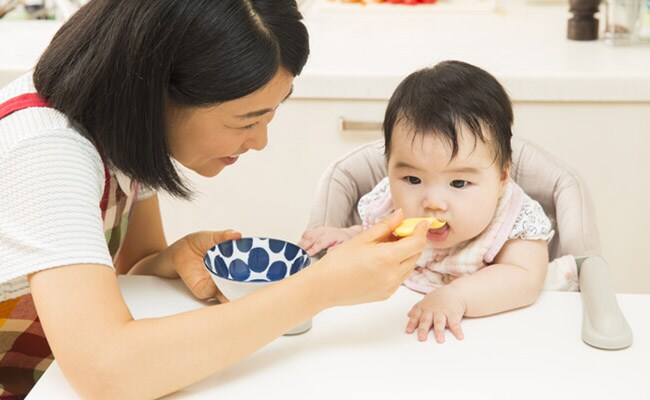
<point>514,280</point>
<point>325,237</point>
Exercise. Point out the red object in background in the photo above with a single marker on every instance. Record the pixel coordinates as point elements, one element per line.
<point>411,2</point>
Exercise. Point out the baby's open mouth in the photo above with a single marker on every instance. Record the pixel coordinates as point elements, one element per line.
<point>445,227</point>
<point>438,234</point>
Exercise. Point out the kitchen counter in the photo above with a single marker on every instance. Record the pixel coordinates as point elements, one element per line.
<point>524,46</point>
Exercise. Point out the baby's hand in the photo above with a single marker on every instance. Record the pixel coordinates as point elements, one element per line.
<point>324,237</point>
<point>440,309</point>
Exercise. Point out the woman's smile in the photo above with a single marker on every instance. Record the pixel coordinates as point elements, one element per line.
<point>229,160</point>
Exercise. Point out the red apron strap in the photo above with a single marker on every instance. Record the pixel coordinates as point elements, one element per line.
<point>28,100</point>
<point>103,203</point>
<point>21,102</point>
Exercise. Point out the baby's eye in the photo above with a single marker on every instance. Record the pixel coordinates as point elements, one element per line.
<point>458,183</point>
<point>413,180</point>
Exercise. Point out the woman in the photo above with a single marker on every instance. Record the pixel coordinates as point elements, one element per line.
<point>125,87</point>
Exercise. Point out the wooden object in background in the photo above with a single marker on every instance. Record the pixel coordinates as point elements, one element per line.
<point>583,25</point>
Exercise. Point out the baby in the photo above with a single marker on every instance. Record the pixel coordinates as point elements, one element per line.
<point>447,138</point>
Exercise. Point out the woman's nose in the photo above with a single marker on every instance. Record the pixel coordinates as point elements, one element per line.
<point>258,139</point>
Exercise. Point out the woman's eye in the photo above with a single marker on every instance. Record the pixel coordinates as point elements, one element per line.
<point>458,184</point>
<point>413,180</point>
<point>251,126</point>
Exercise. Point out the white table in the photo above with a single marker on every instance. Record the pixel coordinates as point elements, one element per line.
<point>361,352</point>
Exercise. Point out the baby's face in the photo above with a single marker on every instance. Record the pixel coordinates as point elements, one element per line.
<point>426,182</point>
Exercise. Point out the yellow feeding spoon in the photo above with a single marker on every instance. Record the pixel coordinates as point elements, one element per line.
<point>408,225</point>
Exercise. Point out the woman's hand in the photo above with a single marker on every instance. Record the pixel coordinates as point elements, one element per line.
<point>440,309</point>
<point>186,256</point>
<point>370,266</point>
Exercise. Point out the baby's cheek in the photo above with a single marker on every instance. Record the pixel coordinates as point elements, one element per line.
<point>407,208</point>
<point>471,227</point>
<point>484,215</point>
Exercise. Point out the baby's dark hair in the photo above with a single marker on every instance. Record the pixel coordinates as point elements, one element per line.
<point>440,99</point>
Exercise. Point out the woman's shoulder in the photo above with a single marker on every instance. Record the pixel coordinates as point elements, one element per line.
<point>34,122</point>
<point>43,129</point>
<point>40,147</point>
<point>20,85</point>
<point>53,151</point>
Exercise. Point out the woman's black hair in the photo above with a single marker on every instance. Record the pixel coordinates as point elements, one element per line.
<point>111,66</point>
<point>438,100</point>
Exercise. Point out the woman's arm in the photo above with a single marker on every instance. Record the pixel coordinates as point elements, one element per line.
<point>104,353</point>
<point>144,239</point>
<point>514,280</point>
<point>145,251</point>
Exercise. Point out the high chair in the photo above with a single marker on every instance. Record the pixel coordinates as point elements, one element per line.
<point>558,189</point>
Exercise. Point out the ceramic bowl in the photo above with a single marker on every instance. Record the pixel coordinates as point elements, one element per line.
<point>240,267</point>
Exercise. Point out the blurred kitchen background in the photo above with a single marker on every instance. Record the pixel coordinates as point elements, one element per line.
<point>586,101</point>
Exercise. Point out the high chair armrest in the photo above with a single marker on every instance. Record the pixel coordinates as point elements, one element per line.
<point>603,324</point>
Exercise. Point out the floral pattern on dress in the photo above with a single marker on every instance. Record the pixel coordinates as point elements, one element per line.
<point>532,222</point>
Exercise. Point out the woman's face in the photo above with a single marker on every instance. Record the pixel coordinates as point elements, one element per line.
<point>426,182</point>
<point>208,139</point>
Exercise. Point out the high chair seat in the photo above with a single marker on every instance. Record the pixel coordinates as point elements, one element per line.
<point>559,190</point>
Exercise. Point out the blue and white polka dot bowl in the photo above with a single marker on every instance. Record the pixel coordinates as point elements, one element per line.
<point>240,267</point>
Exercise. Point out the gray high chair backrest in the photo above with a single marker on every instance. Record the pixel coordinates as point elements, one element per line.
<point>559,190</point>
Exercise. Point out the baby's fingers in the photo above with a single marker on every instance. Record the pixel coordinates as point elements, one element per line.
<point>453,323</point>
<point>414,319</point>
<point>424,325</point>
<point>439,323</point>
<point>323,243</point>
<point>307,239</point>
<point>305,244</point>
<point>456,330</point>
<point>313,242</point>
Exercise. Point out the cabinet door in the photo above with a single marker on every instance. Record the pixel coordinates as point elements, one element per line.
<point>270,193</point>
